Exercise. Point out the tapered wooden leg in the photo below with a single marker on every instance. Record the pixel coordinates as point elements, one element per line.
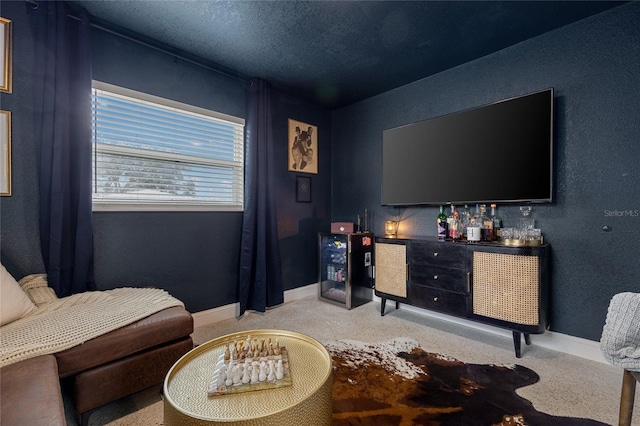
<point>627,397</point>
<point>397,305</point>
<point>382,306</point>
<point>517,343</point>
<point>527,338</point>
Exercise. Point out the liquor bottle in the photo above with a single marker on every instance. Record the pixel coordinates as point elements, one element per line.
<point>443,225</point>
<point>462,214</point>
<point>474,228</point>
<point>450,221</point>
<point>497,222</point>
<point>466,219</point>
<point>487,224</point>
<point>455,231</point>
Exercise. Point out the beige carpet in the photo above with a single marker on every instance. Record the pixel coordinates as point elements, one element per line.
<point>568,386</point>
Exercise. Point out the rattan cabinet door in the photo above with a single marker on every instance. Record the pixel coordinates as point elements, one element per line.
<point>510,287</point>
<point>506,287</point>
<point>391,269</point>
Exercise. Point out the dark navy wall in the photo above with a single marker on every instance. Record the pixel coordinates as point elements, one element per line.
<point>193,255</point>
<point>594,67</point>
<point>19,233</point>
<point>299,223</point>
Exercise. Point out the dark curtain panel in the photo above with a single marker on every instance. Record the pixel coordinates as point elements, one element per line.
<point>261,283</point>
<point>63,113</point>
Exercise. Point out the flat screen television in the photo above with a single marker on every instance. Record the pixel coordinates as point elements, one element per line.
<point>497,153</point>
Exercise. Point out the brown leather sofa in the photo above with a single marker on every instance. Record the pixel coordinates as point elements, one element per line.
<point>102,370</point>
<point>30,393</point>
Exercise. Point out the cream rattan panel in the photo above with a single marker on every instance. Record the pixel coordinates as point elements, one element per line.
<point>308,401</point>
<point>391,269</point>
<point>506,287</point>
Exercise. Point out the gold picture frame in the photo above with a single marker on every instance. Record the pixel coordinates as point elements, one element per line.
<point>6,57</point>
<point>303,147</point>
<point>5,153</point>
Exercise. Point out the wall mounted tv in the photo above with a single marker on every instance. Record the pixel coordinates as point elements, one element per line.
<point>497,153</point>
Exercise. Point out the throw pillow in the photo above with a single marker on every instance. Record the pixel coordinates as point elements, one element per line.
<point>14,302</point>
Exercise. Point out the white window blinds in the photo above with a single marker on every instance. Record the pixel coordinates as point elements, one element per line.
<point>151,153</point>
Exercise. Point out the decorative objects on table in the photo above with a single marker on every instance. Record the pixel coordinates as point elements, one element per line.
<point>391,228</point>
<point>342,227</point>
<point>307,401</point>
<point>525,234</point>
<point>392,225</point>
<point>303,147</point>
<point>6,56</point>
<point>250,364</point>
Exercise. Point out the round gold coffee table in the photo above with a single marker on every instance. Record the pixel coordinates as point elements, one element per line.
<point>307,401</point>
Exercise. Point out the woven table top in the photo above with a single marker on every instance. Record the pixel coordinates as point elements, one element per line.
<point>186,384</point>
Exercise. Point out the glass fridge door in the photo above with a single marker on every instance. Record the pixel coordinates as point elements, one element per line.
<point>333,267</point>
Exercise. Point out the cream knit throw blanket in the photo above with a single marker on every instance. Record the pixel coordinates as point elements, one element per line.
<point>59,324</point>
<point>620,341</point>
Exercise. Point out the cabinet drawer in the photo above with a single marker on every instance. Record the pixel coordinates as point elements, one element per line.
<point>438,254</point>
<point>444,278</point>
<point>439,300</point>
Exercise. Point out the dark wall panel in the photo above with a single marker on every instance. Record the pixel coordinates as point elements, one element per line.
<point>196,255</point>
<point>120,61</point>
<point>300,222</point>
<point>593,67</point>
<point>193,255</point>
<point>19,233</point>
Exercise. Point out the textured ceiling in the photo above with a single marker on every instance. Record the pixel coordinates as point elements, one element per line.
<point>334,53</point>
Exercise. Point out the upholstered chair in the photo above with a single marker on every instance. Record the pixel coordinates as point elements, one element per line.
<point>620,345</point>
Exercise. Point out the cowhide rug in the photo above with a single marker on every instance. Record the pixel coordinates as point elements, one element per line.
<point>398,383</point>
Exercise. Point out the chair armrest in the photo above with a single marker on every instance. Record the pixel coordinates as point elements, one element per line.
<point>620,341</point>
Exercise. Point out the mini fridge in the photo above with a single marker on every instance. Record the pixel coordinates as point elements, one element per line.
<point>346,268</point>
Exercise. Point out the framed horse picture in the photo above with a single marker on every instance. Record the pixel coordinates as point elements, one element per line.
<point>303,147</point>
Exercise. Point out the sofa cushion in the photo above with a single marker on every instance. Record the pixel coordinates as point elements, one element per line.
<point>157,329</point>
<point>125,376</point>
<point>14,302</point>
<point>30,393</point>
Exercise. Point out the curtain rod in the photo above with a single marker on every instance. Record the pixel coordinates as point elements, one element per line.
<point>99,24</point>
<point>137,38</point>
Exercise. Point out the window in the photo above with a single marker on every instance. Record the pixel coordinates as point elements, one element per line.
<point>151,153</point>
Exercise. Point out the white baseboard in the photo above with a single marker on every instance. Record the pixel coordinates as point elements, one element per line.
<point>232,310</point>
<point>211,316</point>
<point>576,346</point>
<point>301,292</point>
<point>571,345</point>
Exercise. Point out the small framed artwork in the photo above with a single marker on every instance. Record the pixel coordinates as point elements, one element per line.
<point>303,189</point>
<point>303,147</point>
<point>5,153</point>
<point>5,57</point>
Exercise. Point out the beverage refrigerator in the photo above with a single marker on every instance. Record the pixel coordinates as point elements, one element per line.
<point>346,275</point>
